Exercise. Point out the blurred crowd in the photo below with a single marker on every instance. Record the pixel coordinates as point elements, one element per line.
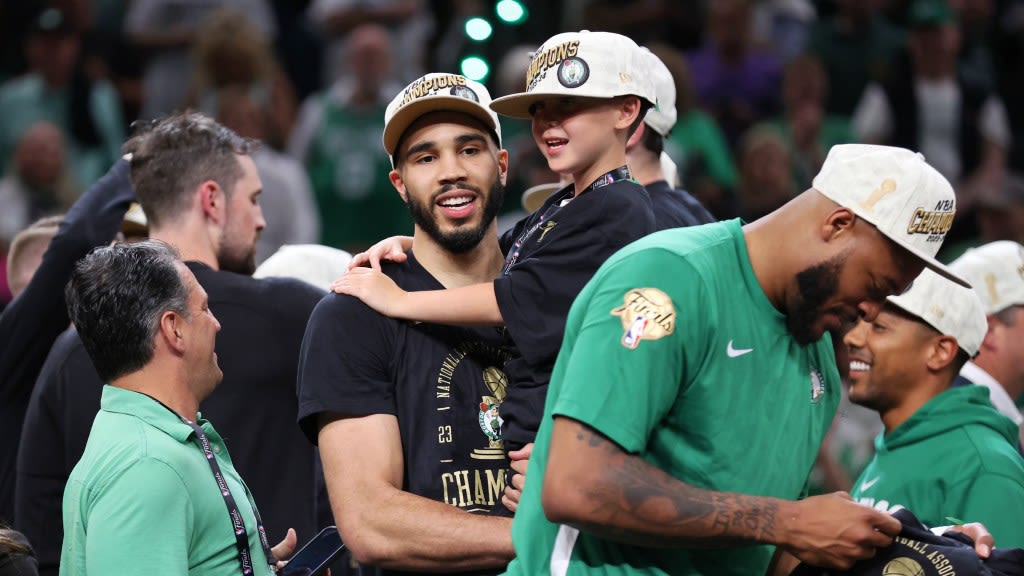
<point>765,88</point>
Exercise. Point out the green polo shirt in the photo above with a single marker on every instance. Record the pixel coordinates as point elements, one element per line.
<point>143,500</point>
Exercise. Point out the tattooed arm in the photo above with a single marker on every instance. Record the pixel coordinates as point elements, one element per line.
<point>591,484</point>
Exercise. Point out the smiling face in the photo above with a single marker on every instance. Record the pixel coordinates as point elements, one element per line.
<point>851,284</point>
<point>578,135</point>
<point>202,327</point>
<point>451,175</point>
<point>888,358</point>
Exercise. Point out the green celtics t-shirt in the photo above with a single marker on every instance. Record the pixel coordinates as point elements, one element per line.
<point>674,352</point>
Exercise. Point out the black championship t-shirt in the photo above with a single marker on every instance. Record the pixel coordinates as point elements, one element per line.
<point>674,208</point>
<point>550,256</point>
<point>444,384</point>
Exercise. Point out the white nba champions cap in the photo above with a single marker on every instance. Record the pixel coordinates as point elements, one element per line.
<point>895,190</point>
<point>996,270</point>
<point>436,92</point>
<point>587,64</point>
<point>950,308</point>
<point>662,116</point>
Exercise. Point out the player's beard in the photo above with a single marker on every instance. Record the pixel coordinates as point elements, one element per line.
<point>237,254</point>
<point>464,238</point>
<point>815,285</point>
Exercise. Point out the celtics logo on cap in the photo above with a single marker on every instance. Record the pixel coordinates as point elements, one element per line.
<point>573,72</point>
<point>464,92</point>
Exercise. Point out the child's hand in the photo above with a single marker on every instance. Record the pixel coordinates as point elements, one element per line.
<point>391,249</point>
<point>372,287</point>
<point>514,491</point>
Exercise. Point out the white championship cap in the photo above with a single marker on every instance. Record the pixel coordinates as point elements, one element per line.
<point>432,93</point>
<point>895,190</point>
<point>996,270</point>
<point>950,308</point>
<point>312,263</point>
<point>662,116</point>
<point>587,64</point>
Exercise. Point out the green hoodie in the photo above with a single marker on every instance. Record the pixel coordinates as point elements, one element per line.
<point>954,460</point>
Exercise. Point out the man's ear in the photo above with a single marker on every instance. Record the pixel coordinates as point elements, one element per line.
<point>638,134</point>
<point>171,324</point>
<point>503,166</point>
<point>213,200</point>
<point>399,184</point>
<point>629,110</point>
<point>944,350</point>
<point>838,223</point>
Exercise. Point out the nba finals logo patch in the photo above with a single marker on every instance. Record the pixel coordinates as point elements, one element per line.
<point>646,314</point>
<point>817,386</point>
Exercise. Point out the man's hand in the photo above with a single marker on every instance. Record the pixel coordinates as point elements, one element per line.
<point>833,531</point>
<point>284,549</point>
<point>514,491</point>
<point>391,249</point>
<point>372,287</point>
<point>983,541</point>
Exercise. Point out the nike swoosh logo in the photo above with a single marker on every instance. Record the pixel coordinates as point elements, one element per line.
<point>865,485</point>
<point>736,352</point>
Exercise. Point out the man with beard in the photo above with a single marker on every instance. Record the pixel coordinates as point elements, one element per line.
<point>406,414</point>
<point>200,191</point>
<point>697,378</point>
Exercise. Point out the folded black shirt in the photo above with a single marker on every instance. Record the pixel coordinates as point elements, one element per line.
<point>919,552</point>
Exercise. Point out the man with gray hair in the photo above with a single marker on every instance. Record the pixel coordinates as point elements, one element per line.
<point>149,493</point>
<point>200,191</point>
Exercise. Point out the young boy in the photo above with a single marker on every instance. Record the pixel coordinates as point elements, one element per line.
<point>586,92</point>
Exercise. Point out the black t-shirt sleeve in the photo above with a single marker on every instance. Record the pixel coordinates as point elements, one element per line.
<point>538,290</point>
<point>345,362</point>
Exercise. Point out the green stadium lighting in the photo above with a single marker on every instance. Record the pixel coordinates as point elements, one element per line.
<point>478,29</point>
<point>475,68</point>
<point>511,11</point>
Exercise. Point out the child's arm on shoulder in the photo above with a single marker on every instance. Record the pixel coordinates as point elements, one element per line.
<point>392,249</point>
<point>473,305</point>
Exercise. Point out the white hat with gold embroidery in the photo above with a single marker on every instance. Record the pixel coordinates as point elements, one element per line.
<point>950,308</point>
<point>662,116</point>
<point>437,92</point>
<point>996,270</point>
<point>895,190</point>
<point>587,64</point>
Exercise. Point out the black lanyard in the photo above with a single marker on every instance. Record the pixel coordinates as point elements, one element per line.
<point>619,174</point>
<point>237,522</point>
